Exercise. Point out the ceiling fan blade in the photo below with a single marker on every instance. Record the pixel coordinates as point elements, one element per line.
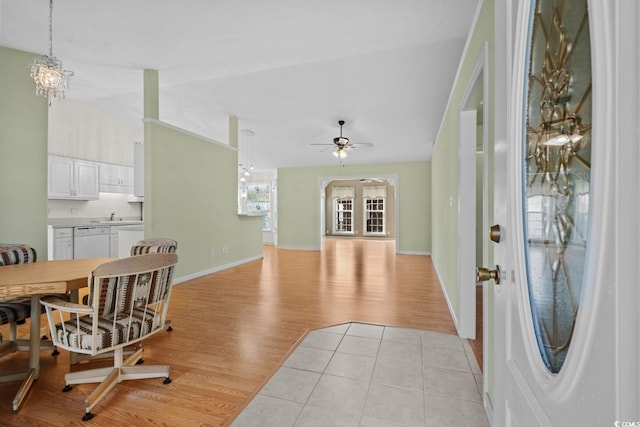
<point>322,144</point>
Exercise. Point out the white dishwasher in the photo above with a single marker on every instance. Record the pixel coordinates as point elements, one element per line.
<point>90,242</point>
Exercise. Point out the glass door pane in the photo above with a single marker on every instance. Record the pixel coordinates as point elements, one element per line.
<point>557,165</point>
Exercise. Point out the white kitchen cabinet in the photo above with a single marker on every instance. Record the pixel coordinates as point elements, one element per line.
<point>63,243</point>
<point>127,237</point>
<point>116,178</point>
<point>72,179</point>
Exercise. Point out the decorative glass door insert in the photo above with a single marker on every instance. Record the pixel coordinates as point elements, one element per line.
<point>557,165</point>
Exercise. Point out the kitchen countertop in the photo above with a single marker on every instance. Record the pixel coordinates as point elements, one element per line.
<point>85,222</point>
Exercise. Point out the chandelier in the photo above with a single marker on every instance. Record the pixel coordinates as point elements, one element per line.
<point>51,79</point>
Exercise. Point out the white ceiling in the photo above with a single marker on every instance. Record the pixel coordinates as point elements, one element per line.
<point>288,69</point>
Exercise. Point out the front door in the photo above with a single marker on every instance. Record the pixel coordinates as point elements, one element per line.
<point>565,350</point>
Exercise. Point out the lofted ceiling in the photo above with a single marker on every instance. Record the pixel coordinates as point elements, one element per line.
<point>288,69</point>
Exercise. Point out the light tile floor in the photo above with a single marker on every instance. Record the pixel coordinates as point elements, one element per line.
<point>365,375</point>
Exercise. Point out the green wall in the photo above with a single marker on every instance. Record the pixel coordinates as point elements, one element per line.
<point>23,154</point>
<point>191,195</point>
<point>445,169</point>
<point>299,203</point>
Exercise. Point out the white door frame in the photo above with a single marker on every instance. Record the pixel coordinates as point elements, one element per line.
<point>467,115</point>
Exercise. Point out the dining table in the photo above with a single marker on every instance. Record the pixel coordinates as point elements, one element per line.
<point>36,279</point>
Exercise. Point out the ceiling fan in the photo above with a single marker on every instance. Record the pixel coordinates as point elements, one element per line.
<point>342,143</point>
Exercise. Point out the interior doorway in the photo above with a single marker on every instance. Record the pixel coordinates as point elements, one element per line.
<point>474,203</point>
<point>359,208</point>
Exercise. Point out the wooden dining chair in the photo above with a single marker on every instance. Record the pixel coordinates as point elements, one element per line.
<point>15,312</point>
<point>128,302</point>
<point>156,245</point>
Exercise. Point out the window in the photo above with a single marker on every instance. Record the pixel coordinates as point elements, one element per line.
<point>259,202</point>
<point>374,216</point>
<point>343,221</point>
<point>374,197</point>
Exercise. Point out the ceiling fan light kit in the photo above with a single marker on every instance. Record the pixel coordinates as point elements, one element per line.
<point>340,153</point>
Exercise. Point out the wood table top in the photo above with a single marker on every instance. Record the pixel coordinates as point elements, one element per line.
<point>45,277</point>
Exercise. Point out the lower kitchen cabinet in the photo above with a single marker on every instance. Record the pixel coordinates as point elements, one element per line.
<point>63,243</point>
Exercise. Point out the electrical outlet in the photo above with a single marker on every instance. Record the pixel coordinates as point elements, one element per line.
<point>213,252</point>
<point>225,250</point>
<point>74,211</point>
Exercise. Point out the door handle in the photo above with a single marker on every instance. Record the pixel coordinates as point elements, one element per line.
<point>484,274</point>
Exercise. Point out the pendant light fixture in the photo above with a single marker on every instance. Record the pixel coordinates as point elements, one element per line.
<point>51,79</point>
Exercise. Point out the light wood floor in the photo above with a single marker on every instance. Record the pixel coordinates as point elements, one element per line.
<point>234,328</point>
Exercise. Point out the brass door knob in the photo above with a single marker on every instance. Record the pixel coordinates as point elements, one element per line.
<point>495,233</point>
<point>484,274</point>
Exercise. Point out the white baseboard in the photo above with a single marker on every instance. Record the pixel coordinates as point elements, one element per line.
<point>215,269</point>
<point>488,408</point>
<point>299,248</point>
<point>413,253</point>
<point>446,297</point>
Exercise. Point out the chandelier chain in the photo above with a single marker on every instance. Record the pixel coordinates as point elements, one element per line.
<point>51,78</point>
<point>50,27</point>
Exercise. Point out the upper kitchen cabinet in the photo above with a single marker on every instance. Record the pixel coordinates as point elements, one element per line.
<point>116,178</point>
<point>72,179</point>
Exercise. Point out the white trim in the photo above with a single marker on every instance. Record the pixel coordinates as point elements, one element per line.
<point>216,269</point>
<point>467,222</point>
<point>467,137</point>
<point>474,23</point>
<point>186,132</point>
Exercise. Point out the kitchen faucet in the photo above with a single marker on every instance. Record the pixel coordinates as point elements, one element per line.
<point>112,214</point>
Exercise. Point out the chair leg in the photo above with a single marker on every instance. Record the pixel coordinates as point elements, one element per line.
<point>103,388</point>
<point>24,388</point>
<point>122,370</point>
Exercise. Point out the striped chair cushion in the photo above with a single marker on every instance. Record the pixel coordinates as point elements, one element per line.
<point>158,245</point>
<point>126,328</point>
<point>19,309</point>
<point>16,254</point>
<point>14,311</point>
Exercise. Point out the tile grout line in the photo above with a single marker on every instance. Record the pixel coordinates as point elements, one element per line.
<point>323,373</point>
<point>375,363</point>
